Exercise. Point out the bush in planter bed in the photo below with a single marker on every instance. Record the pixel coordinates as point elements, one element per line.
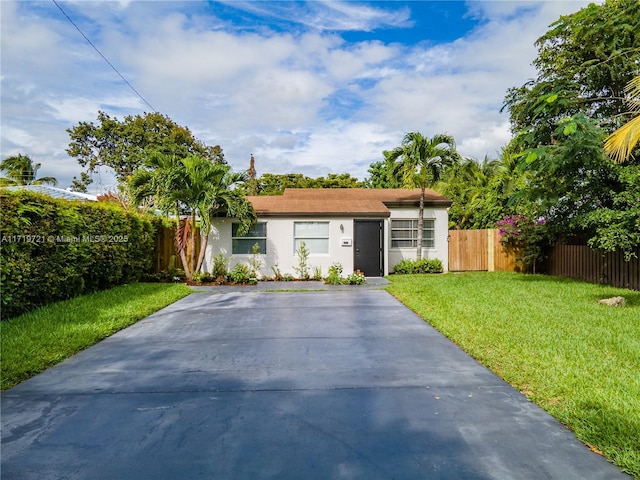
<point>424,265</point>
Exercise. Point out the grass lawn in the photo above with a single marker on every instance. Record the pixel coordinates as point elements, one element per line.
<point>550,339</point>
<point>38,340</point>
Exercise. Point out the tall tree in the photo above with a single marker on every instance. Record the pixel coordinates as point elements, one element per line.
<point>124,145</point>
<point>584,63</point>
<point>275,184</point>
<point>581,191</point>
<point>422,161</point>
<point>20,170</point>
<point>562,117</point>
<point>336,180</point>
<point>383,174</point>
<point>198,187</point>
<point>469,185</point>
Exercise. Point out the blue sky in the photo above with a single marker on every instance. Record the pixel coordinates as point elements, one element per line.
<point>307,87</point>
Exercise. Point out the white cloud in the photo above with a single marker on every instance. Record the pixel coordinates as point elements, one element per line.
<point>500,9</point>
<point>346,63</point>
<point>459,88</point>
<point>14,137</point>
<point>333,16</point>
<point>301,100</point>
<point>354,16</point>
<point>69,109</point>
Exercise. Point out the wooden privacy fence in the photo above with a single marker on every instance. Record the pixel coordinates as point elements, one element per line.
<point>166,248</point>
<point>479,250</point>
<point>582,263</point>
<point>482,250</point>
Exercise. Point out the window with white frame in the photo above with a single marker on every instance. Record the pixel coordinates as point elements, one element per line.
<point>404,233</point>
<point>243,244</point>
<point>315,236</point>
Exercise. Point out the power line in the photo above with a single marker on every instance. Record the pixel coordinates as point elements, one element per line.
<point>103,57</point>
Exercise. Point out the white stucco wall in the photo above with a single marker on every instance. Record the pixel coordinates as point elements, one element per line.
<point>441,244</point>
<point>281,249</point>
<point>280,245</point>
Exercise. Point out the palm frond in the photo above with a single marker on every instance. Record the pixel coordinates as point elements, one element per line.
<point>21,170</point>
<point>633,91</point>
<point>45,181</point>
<point>182,234</point>
<point>621,142</point>
<point>7,182</point>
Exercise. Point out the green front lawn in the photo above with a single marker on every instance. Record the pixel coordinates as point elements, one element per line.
<point>38,340</point>
<point>550,339</point>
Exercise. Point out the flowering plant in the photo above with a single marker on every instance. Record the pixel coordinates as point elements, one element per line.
<point>356,278</point>
<point>525,236</point>
<point>335,276</point>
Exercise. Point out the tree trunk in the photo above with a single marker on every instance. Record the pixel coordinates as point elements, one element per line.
<point>193,242</point>
<point>182,251</point>
<point>204,239</point>
<point>420,224</point>
<point>185,264</point>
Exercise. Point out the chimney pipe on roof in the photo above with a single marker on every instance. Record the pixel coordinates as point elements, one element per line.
<point>252,183</point>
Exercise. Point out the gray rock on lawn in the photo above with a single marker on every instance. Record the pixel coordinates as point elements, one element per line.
<point>612,302</point>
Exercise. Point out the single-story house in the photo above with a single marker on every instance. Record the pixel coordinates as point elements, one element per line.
<point>370,230</point>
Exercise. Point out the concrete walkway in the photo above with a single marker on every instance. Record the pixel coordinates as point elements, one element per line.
<point>339,384</point>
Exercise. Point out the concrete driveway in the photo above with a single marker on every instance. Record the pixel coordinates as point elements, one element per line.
<point>344,384</point>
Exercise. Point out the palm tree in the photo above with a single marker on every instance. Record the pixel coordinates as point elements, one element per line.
<point>197,186</point>
<point>622,141</point>
<point>422,161</point>
<point>20,170</point>
<point>469,183</point>
<point>161,185</point>
<point>210,189</point>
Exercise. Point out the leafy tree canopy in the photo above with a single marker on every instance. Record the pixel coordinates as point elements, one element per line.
<point>482,192</point>
<point>275,184</point>
<point>383,174</point>
<point>584,63</point>
<point>124,145</point>
<point>562,117</point>
<point>581,191</point>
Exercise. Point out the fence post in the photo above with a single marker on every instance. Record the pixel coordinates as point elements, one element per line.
<point>491,252</point>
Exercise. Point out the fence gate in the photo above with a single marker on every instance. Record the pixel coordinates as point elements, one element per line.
<point>478,250</point>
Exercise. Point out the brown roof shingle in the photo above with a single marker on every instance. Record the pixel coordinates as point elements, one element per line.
<point>342,201</point>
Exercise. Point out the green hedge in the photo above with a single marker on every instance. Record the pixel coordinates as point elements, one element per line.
<point>56,249</point>
<point>424,265</point>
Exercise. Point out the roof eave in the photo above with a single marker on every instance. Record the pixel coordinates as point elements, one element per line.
<point>427,203</point>
<point>324,214</point>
